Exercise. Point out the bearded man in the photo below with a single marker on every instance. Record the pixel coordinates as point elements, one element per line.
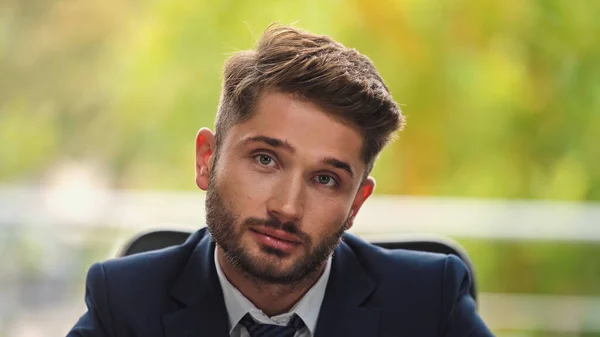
<point>300,122</point>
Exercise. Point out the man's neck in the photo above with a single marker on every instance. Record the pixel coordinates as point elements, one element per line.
<point>272,299</point>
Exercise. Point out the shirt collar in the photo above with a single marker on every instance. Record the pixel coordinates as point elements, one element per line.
<point>307,308</point>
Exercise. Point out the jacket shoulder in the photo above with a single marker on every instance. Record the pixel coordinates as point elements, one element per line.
<point>147,264</point>
<point>382,261</point>
<point>430,290</point>
<point>144,277</point>
<point>412,277</point>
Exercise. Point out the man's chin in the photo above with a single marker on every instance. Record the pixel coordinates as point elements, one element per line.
<point>274,275</point>
<point>268,252</point>
<point>273,258</point>
<point>269,266</point>
<point>266,264</point>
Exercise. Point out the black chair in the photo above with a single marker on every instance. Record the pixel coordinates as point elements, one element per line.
<point>159,239</point>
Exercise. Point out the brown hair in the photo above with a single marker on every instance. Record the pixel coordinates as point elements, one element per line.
<point>340,80</point>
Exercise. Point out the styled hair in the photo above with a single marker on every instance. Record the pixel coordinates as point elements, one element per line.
<point>343,82</point>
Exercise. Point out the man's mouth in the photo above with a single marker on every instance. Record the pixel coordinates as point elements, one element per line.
<point>276,238</point>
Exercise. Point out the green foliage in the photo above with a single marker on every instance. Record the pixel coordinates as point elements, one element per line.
<point>566,268</point>
<point>502,98</point>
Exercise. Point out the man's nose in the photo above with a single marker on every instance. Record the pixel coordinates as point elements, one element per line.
<point>287,200</point>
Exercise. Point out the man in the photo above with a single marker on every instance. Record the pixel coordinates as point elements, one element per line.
<point>300,122</point>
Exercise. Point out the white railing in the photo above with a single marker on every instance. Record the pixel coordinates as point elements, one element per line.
<point>381,218</point>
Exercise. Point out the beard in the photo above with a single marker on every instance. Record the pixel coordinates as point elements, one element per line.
<point>227,231</point>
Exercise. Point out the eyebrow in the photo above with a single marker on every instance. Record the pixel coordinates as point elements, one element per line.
<point>278,143</point>
<point>338,164</point>
<point>274,142</point>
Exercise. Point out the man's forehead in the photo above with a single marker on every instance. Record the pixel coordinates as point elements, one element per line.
<point>298,126</point>
<point>296,116</point>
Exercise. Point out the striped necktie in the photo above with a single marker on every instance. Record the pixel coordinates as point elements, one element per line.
<point>271,330</point>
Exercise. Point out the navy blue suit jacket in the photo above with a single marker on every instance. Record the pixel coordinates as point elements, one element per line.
<point>175,292</point>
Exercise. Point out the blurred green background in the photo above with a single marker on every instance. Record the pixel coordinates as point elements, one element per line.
<point>502,99</point>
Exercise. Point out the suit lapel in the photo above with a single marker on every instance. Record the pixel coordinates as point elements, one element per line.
<point>348,287</point>
<point>202,312</point>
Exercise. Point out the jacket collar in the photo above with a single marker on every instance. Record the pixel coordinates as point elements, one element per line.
<point>199,292</point>
<point>203,313</point>
<point>342,313</point>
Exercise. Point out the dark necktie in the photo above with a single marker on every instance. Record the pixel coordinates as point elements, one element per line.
<point>271,330</point>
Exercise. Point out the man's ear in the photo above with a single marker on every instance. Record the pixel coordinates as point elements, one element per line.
<point>364,192</point>
<point>205,148</point>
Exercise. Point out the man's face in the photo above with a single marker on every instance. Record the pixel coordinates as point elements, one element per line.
<point>283,188</point>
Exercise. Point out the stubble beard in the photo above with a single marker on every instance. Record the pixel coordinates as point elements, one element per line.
<point>227,232</point>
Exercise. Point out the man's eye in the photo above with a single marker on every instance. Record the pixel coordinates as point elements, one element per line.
<point>326,180</point>
<point>264,159</point>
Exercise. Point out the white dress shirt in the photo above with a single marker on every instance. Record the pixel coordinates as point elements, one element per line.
<point>307,308</point>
